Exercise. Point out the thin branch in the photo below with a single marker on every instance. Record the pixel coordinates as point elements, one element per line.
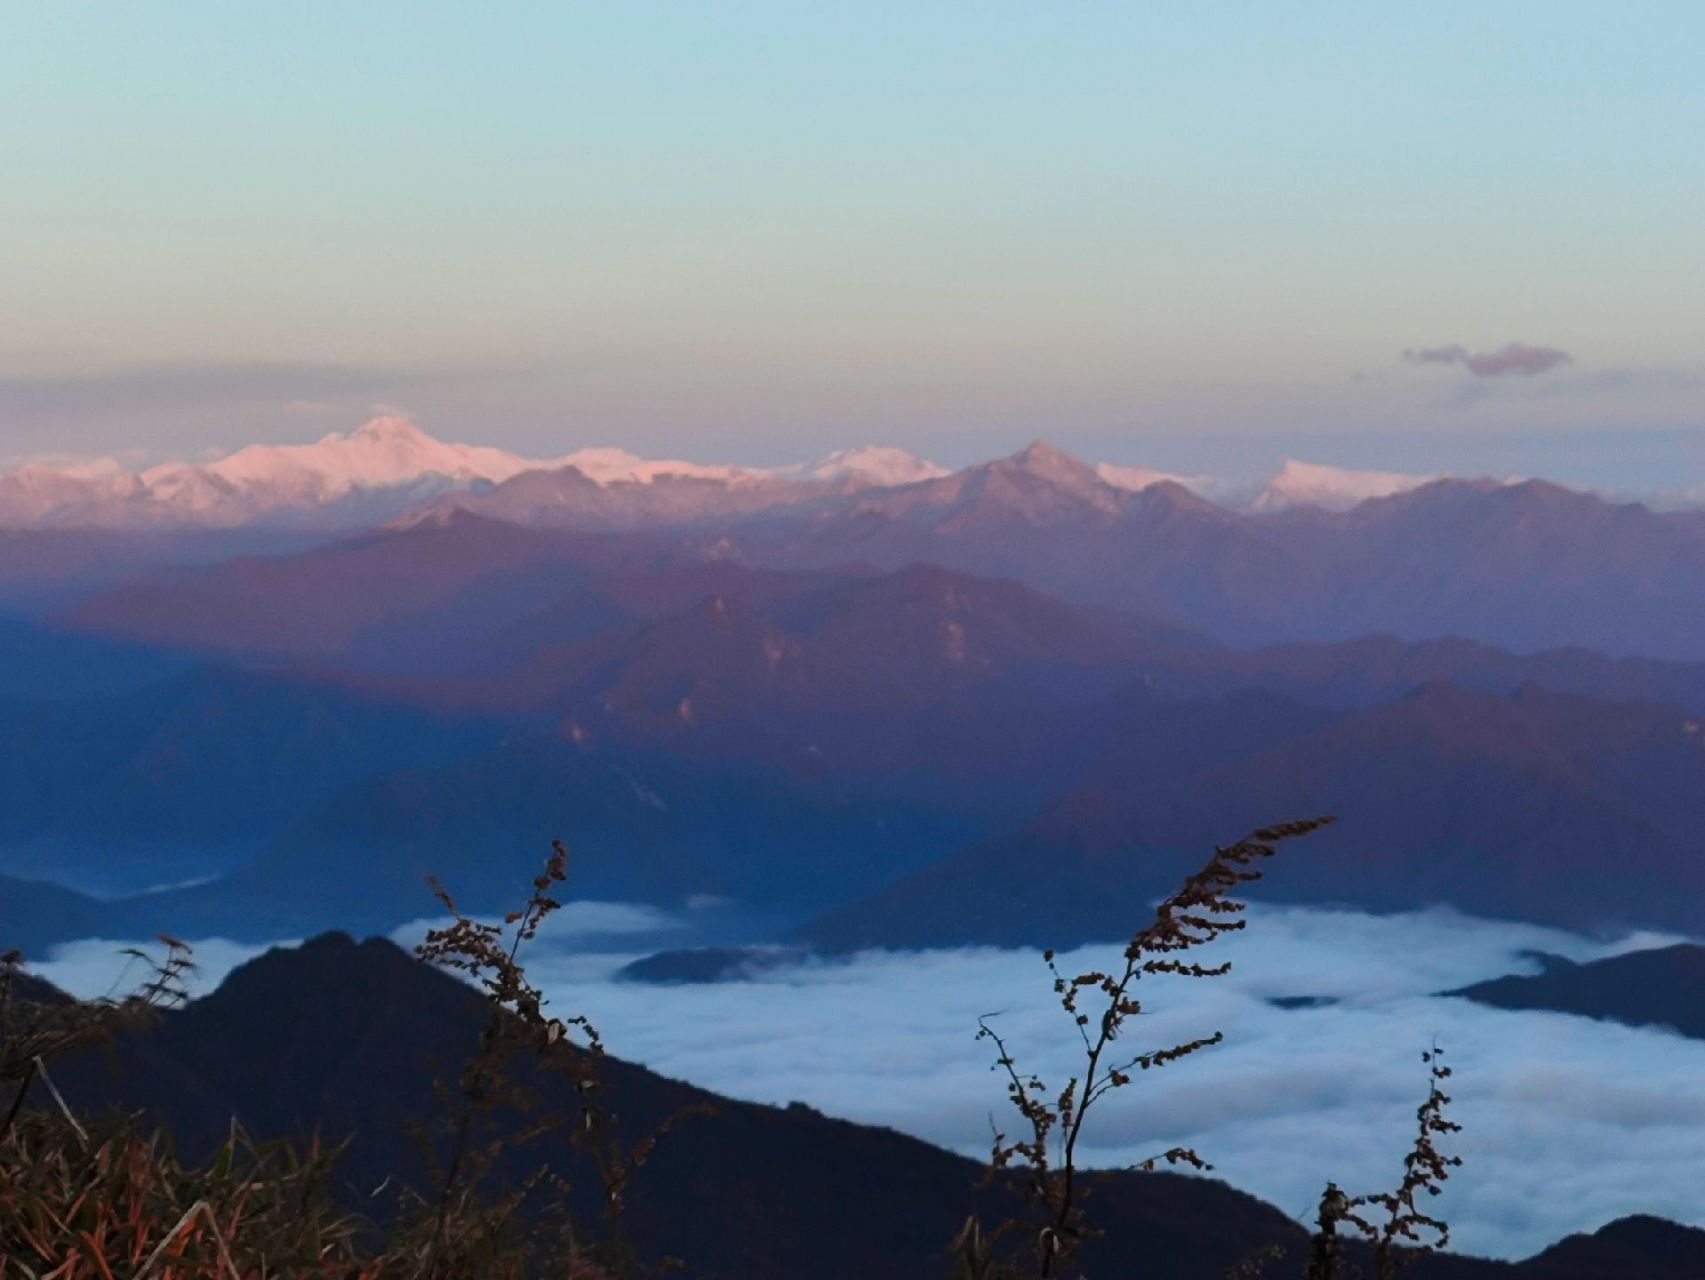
<point>41,1070</point>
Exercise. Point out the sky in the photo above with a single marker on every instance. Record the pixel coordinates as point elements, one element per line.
<point>1455,236</point>
<point>1559,1133</point>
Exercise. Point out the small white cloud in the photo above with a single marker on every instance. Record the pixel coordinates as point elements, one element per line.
<point>1514,359</point>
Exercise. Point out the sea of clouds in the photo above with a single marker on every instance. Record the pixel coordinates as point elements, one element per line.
<point>1567,1122</point>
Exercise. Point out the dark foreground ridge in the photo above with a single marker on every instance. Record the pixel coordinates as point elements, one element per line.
<point>344,1039</point>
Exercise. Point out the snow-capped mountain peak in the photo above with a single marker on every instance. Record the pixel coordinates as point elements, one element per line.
<point>388,459</point>
<point>1136,479</point>
<point>384,451</point>
<point>1308,484</point>
<point>1045,461</point>
<point>605,466</point>
<point>879,465</point>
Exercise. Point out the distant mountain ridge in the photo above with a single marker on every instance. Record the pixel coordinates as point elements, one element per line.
<point>342,479</point>
<point>1663,987</point>
<point>385,467</point>
<point>802,740</point>
<point>389,466</point>
<point>1320,555</point>
<point>1535,805</point>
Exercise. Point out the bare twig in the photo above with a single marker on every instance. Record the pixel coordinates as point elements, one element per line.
<point>1197,914</point>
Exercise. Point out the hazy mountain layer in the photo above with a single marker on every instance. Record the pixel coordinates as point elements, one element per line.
<point>433,695</point>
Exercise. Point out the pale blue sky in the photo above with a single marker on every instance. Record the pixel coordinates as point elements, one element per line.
<point>1167,232</point>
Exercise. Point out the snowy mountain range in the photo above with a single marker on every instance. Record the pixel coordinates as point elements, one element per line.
<point>389,467</point>
<point>371,474</point>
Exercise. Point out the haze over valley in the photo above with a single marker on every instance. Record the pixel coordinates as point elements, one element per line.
<point>797,723</point>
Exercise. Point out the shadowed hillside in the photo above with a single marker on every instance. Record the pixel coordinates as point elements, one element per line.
<point>1663,987</point>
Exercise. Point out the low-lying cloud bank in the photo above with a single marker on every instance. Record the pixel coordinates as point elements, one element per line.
<point>1567,1122</point>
